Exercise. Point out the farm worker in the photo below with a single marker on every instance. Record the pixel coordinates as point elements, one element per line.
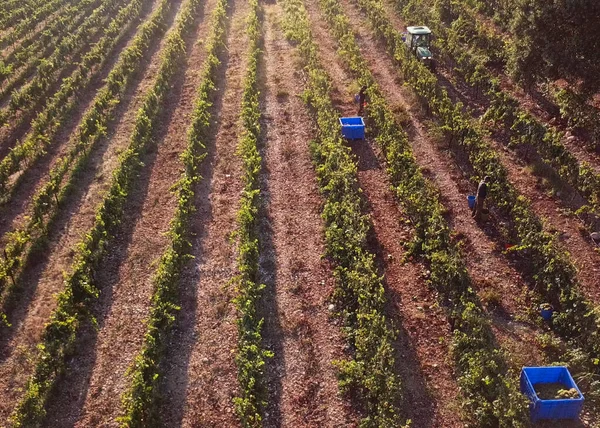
<point>361,100</point>
<point>482,190</point>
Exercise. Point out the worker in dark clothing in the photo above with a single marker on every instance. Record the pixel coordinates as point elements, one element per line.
<point>361,100</point>
<point>482,190</point>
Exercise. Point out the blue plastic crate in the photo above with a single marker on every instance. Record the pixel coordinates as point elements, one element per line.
<point>546,314</point>
<point>471,201</point>
<point>353,128</point>
<point>550,409</point>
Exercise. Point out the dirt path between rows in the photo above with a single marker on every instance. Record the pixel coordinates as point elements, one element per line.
<point>584,257</point>
<point>20,74</point>
<point>35,177</point>
<point>301,377</point>
<point>99,370</point>
<point>499,284</point>
<point>45,277</point>
<point>541,106</point>
<point>19,122</point>
<point>39,27</point>
<point>200,377</point>
<point>428,378</point>
<point>578,146</point>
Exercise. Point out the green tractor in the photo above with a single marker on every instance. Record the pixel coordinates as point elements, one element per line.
<point>418,40</point>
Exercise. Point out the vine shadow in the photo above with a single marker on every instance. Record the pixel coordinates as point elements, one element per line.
<point>173,387</point>
<point>69,395</point>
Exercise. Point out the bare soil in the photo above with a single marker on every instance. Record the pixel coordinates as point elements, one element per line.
<point>200,377</point>
<point>301,377</point>
<point>45,277</point>
<point>422,349</point>
<point>500,284</point>
<point>572,235</point>
<point>34,176</point>
<point>100,369</point>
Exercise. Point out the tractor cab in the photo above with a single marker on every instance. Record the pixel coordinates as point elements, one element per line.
<point>418,40</point>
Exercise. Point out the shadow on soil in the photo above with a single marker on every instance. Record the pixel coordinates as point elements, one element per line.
<point>417,404</point>
<point>175,366</point>
<point>66,405</point>
<point>547,177</point>
<point>26,183</point>
<point>467,96</point>
<point>272,331</point>
<point>17,308</point>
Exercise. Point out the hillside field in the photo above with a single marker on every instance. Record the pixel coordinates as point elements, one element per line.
<point>188,240</point>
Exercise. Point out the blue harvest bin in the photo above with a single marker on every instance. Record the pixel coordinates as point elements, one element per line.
<point>353,128</point>
<point>550,409</point>
<point>546,314</point>
<point>471,201</point>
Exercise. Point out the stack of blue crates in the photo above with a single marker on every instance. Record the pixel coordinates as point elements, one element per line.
<point>550,409</point>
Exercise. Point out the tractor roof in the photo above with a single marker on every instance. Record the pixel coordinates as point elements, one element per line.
<point>418,30</point>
